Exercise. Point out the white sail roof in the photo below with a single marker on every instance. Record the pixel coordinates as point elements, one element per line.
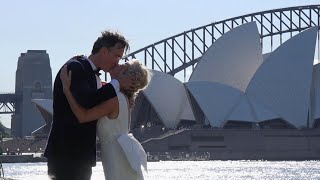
<point>45,104</point>
<point>282,83</point>
<point>265,56</point>
<point>261,112</point>
<point>216,100</point>
<point>168,97</point>
<point>250,111</point>
<point>243,111</point>
<point>187,113</point>
<point>232,59</point>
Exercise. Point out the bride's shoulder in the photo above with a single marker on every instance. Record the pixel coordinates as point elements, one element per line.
<point>120,93</point>
<point>122,96</point>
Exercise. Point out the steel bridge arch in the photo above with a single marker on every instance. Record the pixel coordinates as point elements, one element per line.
<point>181,52</point>
<point>9,103</point>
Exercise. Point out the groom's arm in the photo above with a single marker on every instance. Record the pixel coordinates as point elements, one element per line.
<point>106,92</point>
<point>85,95</point>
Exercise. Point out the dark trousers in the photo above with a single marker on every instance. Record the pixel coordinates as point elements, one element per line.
<point>63,170</point>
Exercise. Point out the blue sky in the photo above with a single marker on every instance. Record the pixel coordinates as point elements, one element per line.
<point>66,28</point>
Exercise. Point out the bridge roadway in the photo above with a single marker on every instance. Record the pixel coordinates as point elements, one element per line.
<point>8,102</point>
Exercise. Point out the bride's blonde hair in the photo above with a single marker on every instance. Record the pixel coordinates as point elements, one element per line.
<point>142,77</point>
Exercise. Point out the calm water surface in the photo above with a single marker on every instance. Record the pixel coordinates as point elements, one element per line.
<point>195,170</point>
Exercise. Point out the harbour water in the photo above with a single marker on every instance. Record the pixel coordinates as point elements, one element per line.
<point>193,170</point>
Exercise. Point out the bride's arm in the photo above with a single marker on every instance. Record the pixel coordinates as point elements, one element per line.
<point>86,115</point>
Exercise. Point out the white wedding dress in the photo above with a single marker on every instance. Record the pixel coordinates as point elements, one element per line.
<point>121,154</point>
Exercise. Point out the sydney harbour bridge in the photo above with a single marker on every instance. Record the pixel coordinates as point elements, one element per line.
<point>178,55</point>
<point>7,103</point>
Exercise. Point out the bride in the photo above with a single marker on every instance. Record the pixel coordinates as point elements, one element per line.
<point>121,154</point>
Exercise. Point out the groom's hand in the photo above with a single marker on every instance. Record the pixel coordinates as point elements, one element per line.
<point>125,82</point>
<point>65,77</point>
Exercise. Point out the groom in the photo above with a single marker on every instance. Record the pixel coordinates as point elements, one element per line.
<point>71,147</point>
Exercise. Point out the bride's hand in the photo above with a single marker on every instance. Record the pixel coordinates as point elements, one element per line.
<point>65,78</point>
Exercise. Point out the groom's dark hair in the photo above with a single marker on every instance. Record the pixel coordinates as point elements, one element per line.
<point>110,39</point>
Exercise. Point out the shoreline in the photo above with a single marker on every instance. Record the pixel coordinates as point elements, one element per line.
<point>32,159</point>
<point>21,159</point>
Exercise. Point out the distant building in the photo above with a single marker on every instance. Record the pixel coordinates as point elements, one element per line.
<point>33,81</point>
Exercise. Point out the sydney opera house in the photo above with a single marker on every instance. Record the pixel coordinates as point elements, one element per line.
<point>237,104</point>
